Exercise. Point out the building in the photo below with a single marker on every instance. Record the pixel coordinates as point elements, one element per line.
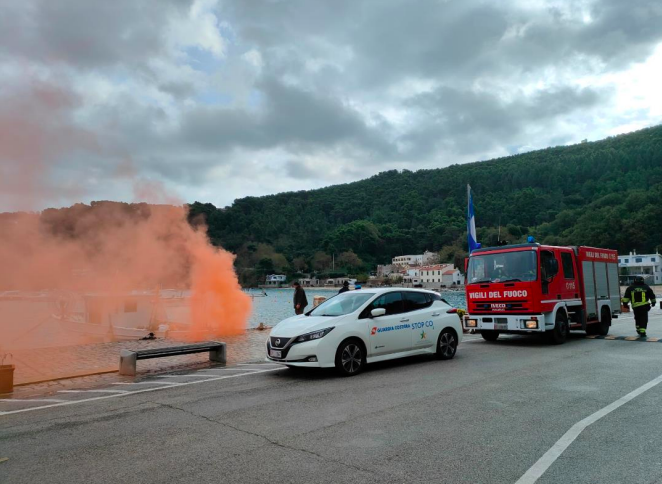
<point>647,265</point>
<point>275,280</point>
<point>433,274</point>
<point>309,282</point>
<point>452,277</point>
<point>415,260</point>
<point>385,270</point>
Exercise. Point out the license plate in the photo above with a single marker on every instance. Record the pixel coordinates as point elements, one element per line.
<point>275,353</point>
<point>501,326</point>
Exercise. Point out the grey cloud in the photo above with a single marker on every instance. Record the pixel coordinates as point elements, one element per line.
<point>470,122</point>
<point>290,117</point>
<point>86,33</point>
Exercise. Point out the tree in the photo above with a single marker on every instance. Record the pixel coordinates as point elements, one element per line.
<point>299,264</point>
<point>321,261</point>
<point>349,260</point>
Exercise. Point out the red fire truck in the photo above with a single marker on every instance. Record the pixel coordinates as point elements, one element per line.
<point>533,288</point>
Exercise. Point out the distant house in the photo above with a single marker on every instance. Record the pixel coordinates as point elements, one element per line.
<point>276,280</point>
<point>433,274</point>
<point>647,265</point>
<point>311,282</point>
<point>415,260</point>
<point>452,277</point>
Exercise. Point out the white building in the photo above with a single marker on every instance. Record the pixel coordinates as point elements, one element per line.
<point>309,282</point>
<point>434,274</point>
<point>415,260</point>
<point>452,277</point>
<point>647,265</point>
<point>276,279</point>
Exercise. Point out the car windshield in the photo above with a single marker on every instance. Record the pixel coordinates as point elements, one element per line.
<point>503,267</point>
<point>342,304</point>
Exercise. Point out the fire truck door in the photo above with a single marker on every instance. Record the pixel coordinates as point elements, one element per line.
<point>568,275</point>
<point>549,268</point>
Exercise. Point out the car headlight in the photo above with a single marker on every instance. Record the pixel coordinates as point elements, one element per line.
<point>313,336</point>
<point>471,323</point>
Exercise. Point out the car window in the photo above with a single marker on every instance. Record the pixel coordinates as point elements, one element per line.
<point>391,301</point>
<point>416,300</point>
<point>342,304</point>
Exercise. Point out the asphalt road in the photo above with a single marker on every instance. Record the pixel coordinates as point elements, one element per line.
<point>487,416</point>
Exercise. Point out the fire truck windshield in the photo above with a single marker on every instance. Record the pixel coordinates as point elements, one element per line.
<point>503,267</point>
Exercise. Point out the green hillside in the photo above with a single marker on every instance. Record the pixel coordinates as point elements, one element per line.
<point>606,193</point>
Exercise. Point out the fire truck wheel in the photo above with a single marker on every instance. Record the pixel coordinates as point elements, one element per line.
<point>489,335</point>
<point>602,328</point>
<point>560,332</point>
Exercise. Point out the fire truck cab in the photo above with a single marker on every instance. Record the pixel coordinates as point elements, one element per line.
<point>533,288</point>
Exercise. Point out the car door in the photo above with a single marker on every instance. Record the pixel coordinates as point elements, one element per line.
<point>418,309</point>
<point>388,333</point>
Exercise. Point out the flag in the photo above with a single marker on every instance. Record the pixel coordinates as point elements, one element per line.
<point>471,223</point>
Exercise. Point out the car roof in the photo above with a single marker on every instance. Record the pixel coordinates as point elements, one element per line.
<point>381,290</point>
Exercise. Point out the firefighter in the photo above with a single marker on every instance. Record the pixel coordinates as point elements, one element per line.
<point>642,299</point>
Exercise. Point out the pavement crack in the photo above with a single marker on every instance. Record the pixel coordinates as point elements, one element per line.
<point>267,439</point>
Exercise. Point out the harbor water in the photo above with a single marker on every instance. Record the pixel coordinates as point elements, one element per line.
<point>277,304</point>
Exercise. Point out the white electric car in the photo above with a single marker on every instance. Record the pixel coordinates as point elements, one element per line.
<point>354,328</point>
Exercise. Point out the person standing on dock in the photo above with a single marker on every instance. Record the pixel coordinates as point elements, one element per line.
<point>642,299</point>
<point>300,300</point>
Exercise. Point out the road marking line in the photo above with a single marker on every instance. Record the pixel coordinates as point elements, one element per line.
<point>539,468</point>
<point>8,400</point>
<point>93,391</point>
<point>213,370</point>
<point>145,390</point>
<point>172,384</point>
<point>182,376</point>
<point>263,365</point>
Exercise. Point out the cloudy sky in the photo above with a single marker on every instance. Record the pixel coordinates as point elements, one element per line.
<point>214,100</point>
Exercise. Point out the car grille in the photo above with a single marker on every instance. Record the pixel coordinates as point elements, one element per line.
<point>278,343</point>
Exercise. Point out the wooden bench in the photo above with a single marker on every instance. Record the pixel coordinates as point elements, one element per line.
<point>128,358</point>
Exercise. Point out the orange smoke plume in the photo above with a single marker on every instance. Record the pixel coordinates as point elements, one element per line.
<point>111,249</point>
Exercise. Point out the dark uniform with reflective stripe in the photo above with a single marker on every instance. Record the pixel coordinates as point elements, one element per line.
<point>642,299</point>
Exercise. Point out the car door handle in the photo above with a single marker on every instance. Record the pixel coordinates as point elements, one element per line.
<point>404,320</point>
<point>436,314</point>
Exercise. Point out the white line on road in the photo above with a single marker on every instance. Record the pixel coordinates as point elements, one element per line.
<point>172,384</point>
<point>93,391</point>
<point>213,370</point>
<point>539,468</point>
<point>185,376</point>
<point>145,390</point>
<point>11,400</point>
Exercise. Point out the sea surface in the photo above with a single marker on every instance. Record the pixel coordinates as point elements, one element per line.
<point>277,305</point>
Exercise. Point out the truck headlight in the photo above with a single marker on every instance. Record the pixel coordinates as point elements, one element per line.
<point>472,323</point>
<point>531,324</point>
<point>314,335</point>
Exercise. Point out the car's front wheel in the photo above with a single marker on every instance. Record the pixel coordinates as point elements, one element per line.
<point>350,357</point>
<point>447,344</point>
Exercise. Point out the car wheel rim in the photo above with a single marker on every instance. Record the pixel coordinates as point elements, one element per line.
<point>447,344</point>
<point>351,358</point>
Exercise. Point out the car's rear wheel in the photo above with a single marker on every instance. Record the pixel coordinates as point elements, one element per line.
<point>447,344</point>
<point>350,357</point>
<point>489,335</point>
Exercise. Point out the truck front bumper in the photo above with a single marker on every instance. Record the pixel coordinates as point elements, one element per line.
<point>505,323</point>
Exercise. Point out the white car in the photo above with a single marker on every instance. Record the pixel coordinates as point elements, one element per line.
<point>354,328</point>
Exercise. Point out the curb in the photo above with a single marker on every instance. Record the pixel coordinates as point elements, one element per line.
<point>76,375</point>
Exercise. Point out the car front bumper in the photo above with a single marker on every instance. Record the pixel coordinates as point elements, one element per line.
<point>311,354</point>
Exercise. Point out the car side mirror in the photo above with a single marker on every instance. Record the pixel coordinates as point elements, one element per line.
<point>377,312</point>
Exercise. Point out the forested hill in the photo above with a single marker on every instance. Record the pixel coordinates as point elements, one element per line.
<point>606,193</point>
